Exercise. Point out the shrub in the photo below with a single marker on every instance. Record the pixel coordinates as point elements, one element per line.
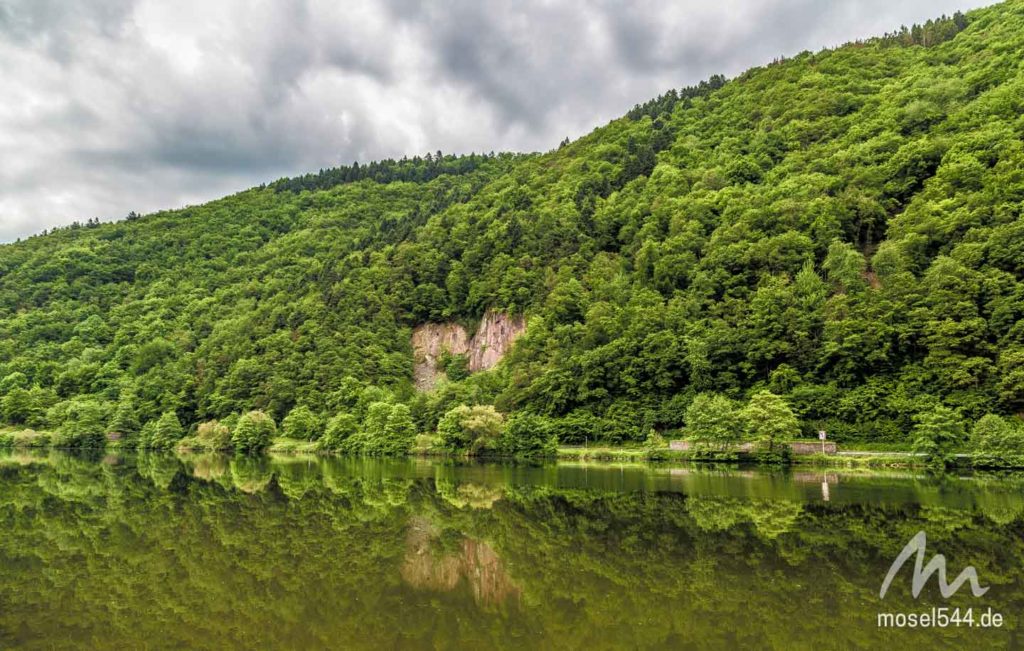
<point>339,430</point>
<point>83,424</point>
<point>997,443</point>
<point>302,423</point>
<point>528,435</point>
<point>166,432</point>
<point>254,432</point>
<point>214,435</point>
<point>475,430</point>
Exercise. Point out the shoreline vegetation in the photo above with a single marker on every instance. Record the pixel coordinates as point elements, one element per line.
<point>864,456</point>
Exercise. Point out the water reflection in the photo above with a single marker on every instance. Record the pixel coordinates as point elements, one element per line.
<point>207,551</point>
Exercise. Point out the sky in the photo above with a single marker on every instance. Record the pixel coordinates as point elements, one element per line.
<point>111,106</point>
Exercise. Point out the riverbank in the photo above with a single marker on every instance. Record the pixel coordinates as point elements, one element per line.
<point>868,455</point>
<point>842,459</point>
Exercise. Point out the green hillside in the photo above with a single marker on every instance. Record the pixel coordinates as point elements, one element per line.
<point>842,229</point>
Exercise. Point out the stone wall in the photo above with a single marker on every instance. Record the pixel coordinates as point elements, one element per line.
<point>796,447</point>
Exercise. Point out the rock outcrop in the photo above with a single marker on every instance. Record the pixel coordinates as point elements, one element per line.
<point>493,339</point>
<point>483,350</point>
<point>429,342</point>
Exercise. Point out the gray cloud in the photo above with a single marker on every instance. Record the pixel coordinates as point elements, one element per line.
<point>118,105</point>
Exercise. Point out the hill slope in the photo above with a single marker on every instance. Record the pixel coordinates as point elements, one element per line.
<point>843,228</point>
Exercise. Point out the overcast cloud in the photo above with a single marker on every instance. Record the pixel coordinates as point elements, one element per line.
<point>117,105</point>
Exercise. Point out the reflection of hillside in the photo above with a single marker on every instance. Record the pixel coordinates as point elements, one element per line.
<point>474,561</point>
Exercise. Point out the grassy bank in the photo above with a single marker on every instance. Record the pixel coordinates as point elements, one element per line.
<point>25,438</point>
<point>858,459</point>
<point>861,456</point>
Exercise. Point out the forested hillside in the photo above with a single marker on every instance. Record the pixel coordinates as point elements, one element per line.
<point>842,229</point>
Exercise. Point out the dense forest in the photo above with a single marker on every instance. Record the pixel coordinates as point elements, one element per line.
<point>831,241</point>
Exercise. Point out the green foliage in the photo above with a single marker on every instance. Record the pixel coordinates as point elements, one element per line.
<point>301,423</point>
<point>124,421</point>
<point>528,435</point>
<point>713,421</point>
<point>769,421</point>
<point>937,433</point>
<point>17,406</point>
<point>214,435</point>
<point>84,424</point>
<point>474,430</point>
<point>339,429</point>
<point>254,432</point>
<point>166,432</point>
<point>16,380</point>
<point>996,442</point>
<point>387,429</point>
<point>456,367</point>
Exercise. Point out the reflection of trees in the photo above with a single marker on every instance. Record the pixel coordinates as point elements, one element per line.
<point>467,494</point>
<point>250,474</point>
<point>211,468</point>
<point>1000,506</point>
<point>310,553</point>
<point>770,518</point>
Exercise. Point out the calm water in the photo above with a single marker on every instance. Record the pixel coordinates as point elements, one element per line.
<point>304,553</point>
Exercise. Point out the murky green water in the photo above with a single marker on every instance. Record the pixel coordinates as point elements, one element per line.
<point>303,553</point>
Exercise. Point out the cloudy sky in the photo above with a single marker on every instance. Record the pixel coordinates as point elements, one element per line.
<point>117,105</point>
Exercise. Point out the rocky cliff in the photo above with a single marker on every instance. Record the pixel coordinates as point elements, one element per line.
<point>493,338</point>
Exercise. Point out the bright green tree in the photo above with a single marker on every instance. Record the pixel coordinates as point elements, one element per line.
<point>124,420</point>
<point>254,432</point>
<point>84,424</point>
<point>712,420</point>
<point>167,432</point>
<point>996,442</point>
<point>474,430</point>
<point>339,430</point>
<point>528,435</point>
<point>17,406</point>
<point>301,423</point>
<point>769,420</point>
<point>937,433</point>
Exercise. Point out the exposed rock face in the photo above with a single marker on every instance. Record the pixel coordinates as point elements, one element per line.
<point>493,339</point>
<point>429,342</point>
<point>484,349</point>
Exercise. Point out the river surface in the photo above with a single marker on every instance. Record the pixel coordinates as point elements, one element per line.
<point>211,552</point>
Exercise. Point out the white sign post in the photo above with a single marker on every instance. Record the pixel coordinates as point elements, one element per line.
<point>821,437</point>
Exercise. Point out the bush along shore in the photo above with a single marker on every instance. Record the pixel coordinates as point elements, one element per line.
<point>764,430</point>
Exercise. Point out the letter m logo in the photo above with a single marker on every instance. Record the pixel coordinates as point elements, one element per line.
<point>924,572</point>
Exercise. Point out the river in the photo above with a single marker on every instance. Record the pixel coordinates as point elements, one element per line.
<point>213,552</point>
